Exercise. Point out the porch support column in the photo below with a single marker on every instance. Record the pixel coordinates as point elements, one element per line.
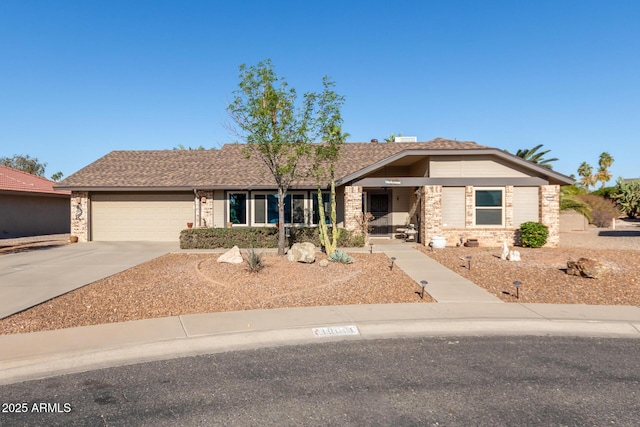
<point>80,215</point>
<point>353,208</point>
<point>430,212</point>
<point>468,206</point>
<point>550,212</point>
<point>508,206</point>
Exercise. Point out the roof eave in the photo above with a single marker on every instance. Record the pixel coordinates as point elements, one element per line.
<point>565,180</point>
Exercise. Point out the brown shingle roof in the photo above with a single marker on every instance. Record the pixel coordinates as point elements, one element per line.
<point>16,180</point>
<point>228,167</point>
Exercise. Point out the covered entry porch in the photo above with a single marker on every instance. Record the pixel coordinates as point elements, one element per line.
<point>395,209</point>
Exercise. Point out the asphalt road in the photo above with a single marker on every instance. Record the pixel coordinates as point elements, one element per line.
<point>492,381</point>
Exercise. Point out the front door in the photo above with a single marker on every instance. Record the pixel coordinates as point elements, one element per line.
<point>379,208</point>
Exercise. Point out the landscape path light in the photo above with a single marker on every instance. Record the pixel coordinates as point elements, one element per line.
<point>370,247</point>
<point>393,260</point>
<point>517,284</point>
<point>468,257</point>
<point>423,283</point>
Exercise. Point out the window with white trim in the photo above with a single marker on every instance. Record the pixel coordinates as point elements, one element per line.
<point>489,207</point>
<point>237,207</point>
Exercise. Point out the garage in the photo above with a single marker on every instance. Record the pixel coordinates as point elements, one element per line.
<point>140,216</point>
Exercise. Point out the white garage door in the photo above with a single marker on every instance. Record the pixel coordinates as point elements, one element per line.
<point>146,217</point>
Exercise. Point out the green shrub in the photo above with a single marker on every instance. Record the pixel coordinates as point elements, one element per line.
<point>257,237</point>
<point>243,237</point>
<point>346,239</point>
<point>254,261</point>
<point>340,256</point>
<point>533,234</point>
<point>605,192</point>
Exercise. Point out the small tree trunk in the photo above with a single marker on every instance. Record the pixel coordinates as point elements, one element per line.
<point>282,238</point>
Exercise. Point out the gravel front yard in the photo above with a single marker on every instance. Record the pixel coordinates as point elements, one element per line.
<point>542,274</point>
<point>178,284</point>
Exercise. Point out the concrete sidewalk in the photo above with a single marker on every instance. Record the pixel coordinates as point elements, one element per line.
<point>45,354</point>
<point>442,284</point>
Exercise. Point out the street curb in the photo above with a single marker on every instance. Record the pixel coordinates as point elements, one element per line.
<point>52,365</point>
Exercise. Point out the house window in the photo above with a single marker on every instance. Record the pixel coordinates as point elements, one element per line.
<point>238,208</point>
<point>326,203</point>
<point>265,208</point>
<point>489,207</point>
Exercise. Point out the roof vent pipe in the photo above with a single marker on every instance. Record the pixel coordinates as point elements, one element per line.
<point>374,140</point>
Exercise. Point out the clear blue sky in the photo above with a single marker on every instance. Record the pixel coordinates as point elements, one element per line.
<point>79,79</point>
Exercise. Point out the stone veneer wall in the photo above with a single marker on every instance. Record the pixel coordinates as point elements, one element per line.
<point>550,212</point>
<point>430,213</point>
<point>204,209</point>
<point>352,208</point>
<point>431,220</point>
<point>80,216</point>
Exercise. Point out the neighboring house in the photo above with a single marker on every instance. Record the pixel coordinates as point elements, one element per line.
<point>29,205</point>
<point>456,189</point>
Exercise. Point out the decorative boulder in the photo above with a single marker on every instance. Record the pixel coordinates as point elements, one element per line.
<point>302,252</point>
<point>324,263</point>
<point>232,256</point>
<point>585,267</point>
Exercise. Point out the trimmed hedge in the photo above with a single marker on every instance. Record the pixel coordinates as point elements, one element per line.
<point>256,237</point>
<point>533,234</point>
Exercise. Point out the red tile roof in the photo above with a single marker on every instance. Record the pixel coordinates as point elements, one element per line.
<point>15,180</point>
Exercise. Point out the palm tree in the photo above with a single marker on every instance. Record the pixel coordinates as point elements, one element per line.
<point>603,175</point>
<point>538,158</point>
<point>392,137</point>
<point>585,170</point>
<point>570,199</point>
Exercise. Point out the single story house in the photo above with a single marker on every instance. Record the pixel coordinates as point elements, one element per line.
<point>443,187</point>
<point>29,205</point>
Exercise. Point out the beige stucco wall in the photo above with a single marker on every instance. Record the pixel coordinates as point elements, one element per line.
<point>219,208</point>
<point>572,221</point>
<point>473,167</point>
<point>400,205</point>
<point>26,215</point>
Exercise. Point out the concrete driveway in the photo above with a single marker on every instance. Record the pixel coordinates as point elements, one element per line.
<point>30,278</point>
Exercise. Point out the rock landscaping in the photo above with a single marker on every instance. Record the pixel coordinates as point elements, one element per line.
<point>177,284</point>
<point>543,274</point>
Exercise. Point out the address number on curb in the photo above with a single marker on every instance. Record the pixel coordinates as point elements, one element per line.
<point>333,331</point>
